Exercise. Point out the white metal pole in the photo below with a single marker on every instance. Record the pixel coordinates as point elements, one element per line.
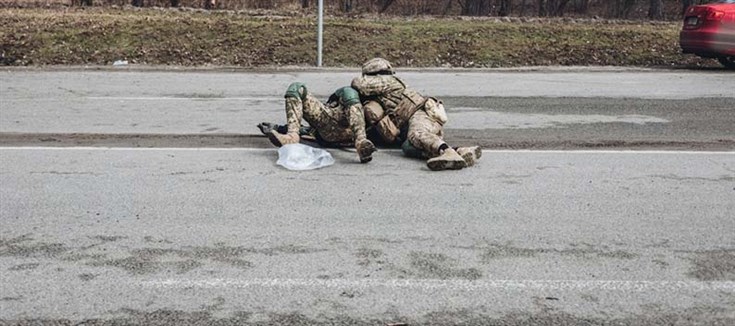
<point>319,34</point>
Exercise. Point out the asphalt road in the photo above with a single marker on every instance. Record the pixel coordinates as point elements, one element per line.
<point>550,109</point>
<point>146,197</point>
<point>204,235</point>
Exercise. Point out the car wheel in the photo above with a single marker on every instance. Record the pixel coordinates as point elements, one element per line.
<point>727,61</point>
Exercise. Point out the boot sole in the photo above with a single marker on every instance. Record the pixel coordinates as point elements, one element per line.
<point>446,165</point>
<point>367,157</point>
<point>478,153</point>
<point>469,158</point>
<point>472,157</point>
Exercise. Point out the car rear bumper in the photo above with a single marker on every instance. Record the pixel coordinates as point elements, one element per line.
<point>706,43</point>
<point>696,41</point>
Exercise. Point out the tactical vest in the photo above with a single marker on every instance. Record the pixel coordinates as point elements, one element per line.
<point>411,101</point>
<point>398,104</point>
<point>401,104</point>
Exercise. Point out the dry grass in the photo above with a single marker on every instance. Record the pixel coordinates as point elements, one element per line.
<point>175,37</point>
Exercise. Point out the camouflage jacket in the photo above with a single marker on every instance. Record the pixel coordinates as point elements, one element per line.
<point>398,101</point>
<point>385,89</point>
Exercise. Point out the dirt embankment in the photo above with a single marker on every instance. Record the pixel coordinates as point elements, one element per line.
<point>100,36</point>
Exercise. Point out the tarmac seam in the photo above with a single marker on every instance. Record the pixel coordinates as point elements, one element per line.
<point>390,150</point>
<point>238,141</point>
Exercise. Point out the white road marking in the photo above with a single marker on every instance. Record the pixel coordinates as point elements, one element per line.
<point>248,149</point>
<point>610,285</point>
<point>204,97</point>
<point>586,151</point>
<point>147,98</point>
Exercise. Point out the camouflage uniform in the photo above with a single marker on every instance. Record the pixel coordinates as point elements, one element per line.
<point>422,118</point>
<point>341,121</point>
<point>333,124</point>
<point>423,132</point>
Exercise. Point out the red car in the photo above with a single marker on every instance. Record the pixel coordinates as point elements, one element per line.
<point>709,31</point>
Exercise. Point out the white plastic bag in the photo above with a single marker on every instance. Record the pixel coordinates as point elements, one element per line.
<point>301,157</point>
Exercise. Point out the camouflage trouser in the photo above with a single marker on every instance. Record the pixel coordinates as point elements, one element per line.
<point>425,134</point>
<point>333,124</point>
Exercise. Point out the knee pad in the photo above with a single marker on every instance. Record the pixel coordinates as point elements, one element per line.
<point>297,90</point>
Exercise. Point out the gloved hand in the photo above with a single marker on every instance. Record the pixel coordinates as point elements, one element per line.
<point>435,110</point>
<point>265,127</point>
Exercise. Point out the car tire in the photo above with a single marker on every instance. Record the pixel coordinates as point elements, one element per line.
<point>727,61</point>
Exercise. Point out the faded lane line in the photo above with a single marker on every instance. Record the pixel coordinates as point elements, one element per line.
<point>727,286</point>
<point>152,98</point>
<point>164,98</point>
<point>248,149</point>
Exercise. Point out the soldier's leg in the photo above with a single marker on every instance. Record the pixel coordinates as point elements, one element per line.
<point>338,125</point>
<point>314,112</point>
<point>305,132</point>
<point>470,154</point>
<point>411,151</point>
<point>329,125</point>
<point>365,148</point>
<point>356,119</point>
<point>295,94</point>
<point>326,121</point>
<point>425,134</point>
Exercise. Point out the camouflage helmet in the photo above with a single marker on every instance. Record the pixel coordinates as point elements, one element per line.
<point>377,66</point>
